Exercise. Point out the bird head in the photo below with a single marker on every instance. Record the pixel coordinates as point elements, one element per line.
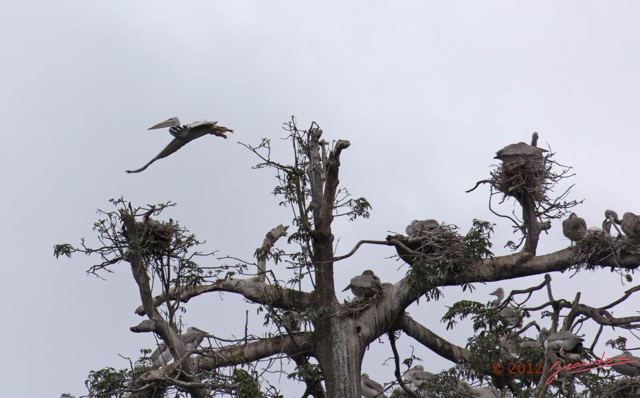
<point>611,215</point>
<point>498,292</point>
<point>220,131</point>
<point>172,121</point>
<point>368,272</point>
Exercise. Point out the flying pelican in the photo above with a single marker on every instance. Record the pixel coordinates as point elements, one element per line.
<point>191,340</point>
<point>563,341</point>
<point>520,150</point>
<point>574,228</point>
<point>417,375</point>
<point>365,285</point>
<point>370,388</point>
<point>417,227</point>
<point>631,369</point>
<point>510,313</point>
<point>183,135</point>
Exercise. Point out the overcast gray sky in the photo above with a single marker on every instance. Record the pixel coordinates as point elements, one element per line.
<point>425,91</point>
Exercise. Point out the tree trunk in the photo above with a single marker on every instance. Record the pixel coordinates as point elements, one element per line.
<point>339,352</point>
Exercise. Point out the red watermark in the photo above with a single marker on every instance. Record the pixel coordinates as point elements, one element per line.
<point>579,367</point>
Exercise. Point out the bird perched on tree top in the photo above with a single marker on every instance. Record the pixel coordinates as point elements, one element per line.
<point>183,135</point>
<point>365,285</point>
<point>520,151</point>
<point>420,227</point>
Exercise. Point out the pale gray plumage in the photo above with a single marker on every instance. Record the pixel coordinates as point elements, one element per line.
<point>191,340</point>
<point>509,313</point>
<point>370,388</point>
<point>631,226</point>
<point>631,369</point>
<point>420,227</point>
<point>417,376</point>
<point>291,321</point>
<point>479,392</point>
<point>612,216</point>
<point>365,285</point>
<point>520,151</point>
<point>563,341</point>
<point>604,231</point>
<point>574,228</point>
<point>183,135</point>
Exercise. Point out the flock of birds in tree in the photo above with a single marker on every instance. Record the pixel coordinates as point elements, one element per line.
<point>368,285</point>
<point>575,228</point>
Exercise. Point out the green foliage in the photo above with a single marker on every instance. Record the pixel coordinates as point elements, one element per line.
<point>478,240</point>
<point>165,247</point>
<point>443,252</point>
<point>106,381</point>
<point>247,385</point>
<point>63,249</point>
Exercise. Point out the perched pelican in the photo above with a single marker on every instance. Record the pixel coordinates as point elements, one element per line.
<point>370,388</point>
<point>365,285</point>
<point>480,392</point>
<point>191,340</point>
<point>631,369</point>
<point>630,223</point>
<point>417,375</point>
<point>563,341</point>
<point>510,313</point>
<point>291,321</point>
<point>612,217</point>
<point>417,227</point>
<point>520,150</point>
<point>183,135</point>
<point>574,228</point>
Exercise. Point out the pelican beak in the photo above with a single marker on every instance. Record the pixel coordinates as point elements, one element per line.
<point>221,130</point>
<point>166,123</point>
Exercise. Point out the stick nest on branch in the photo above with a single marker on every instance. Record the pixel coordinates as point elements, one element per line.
<point>155,236</point>
<point>434,255</point>
<point>523,177</point>
<point>596,248</point>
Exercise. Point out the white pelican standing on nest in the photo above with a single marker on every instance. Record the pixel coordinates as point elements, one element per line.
<point>183,135</point>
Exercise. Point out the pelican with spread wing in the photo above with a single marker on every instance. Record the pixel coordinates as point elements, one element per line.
<point>183,135</point>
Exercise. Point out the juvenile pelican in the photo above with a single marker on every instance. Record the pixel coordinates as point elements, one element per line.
<point>574,228</point>
<point>191,340</point>
<point>564,341</point>
<point>509,313</point>
<point>612,217</point>
<point>183,135</point>
<point>370,388</point>
<point>417,376</point>
<point>421,227</point>
<point>520,150</point>
<point>365,285</point>
<point>631,368</point>
<point>630,223</point>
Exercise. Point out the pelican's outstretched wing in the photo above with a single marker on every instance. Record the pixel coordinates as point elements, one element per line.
<point>173,146</point>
